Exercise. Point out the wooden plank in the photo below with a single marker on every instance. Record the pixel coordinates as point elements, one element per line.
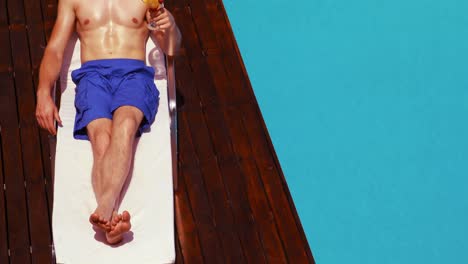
<point>203,25</point>
<point>16,205</point>
<point>15,12</point>
<point>261,209</point>
<point>238,188</point>
<point>31,152</point>
<point>237,76</point>
<point>219,21</point>
<point>202,79</point>
<point>3,220</point>
<point>190,178</point>
<point>234,68</point>
<point>49,10</point>
<point>3,15</point>
<point>231,57</point>
<point>203,82</point>
<point>35,28</point>
<point>194,53</point>
<point>225,226</point>
<point>229,87</point>
<point>262,213</point>
<point>15,201</point>
<point>246,228</point>
<point>188,95</point>
<point>188,240</point>
<point>32,12</point>
<point>222,84</point>
<point>210,241</point>
<point>218,133</point>
<point>23,74</point>
<point>37,43</point>
<point>48,26</point>
<point>47,147</point>
<point>5,56</point>
<point>199,135</point>
<point>36,37</point>
<point>49,13</point>
<point>48,159</point>
<point>175,5</point>
<point>202,145</point>
<point>270,165</point>
<point>234,181</point>
<point>199,67</point>
<point>274,184</point>
<point>228,43</point>
<point>221,26</point>
<point>208,17</point>
<point>5,78</point>
<point>179,257</point>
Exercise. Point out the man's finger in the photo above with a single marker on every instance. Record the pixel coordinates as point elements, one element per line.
<point>166,25</point>
<point>160,11</point>
<point>50,124</point>
<point>49,129</point>
<point>57,117</point>
<point>160,14</point>
<point>162,21</point>
<point>151,15</point>
<point>148,15</point>
<point>52,129</point>
<point>42,123</point>
<point>39,121</point>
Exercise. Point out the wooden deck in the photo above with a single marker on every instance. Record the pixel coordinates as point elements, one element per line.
<point>232,204</point>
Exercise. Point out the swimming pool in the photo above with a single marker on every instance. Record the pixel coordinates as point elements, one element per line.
<point>366,103</point>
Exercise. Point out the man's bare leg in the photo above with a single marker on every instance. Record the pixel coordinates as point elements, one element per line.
<point>99,133</point>
<point>115,167</point>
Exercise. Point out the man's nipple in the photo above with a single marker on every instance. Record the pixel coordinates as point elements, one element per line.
<point>134,20</point>
<point>86,22</point>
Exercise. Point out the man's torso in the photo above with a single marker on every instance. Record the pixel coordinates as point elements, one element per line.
<point>111,29</point>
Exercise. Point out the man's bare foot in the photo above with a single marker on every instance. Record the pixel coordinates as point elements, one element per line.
<point>100,222</point>
<point>101,218</point>
<point>120,224</point>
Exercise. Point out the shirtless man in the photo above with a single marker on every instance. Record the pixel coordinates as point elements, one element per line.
<point>115,97</point>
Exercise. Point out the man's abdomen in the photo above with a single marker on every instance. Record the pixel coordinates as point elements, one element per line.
<point>113,42</point>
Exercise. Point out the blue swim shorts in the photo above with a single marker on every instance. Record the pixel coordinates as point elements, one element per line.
<point>102,86</point>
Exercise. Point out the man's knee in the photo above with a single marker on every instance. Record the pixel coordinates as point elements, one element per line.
<point>103,141</point>
<point>127,119</point>
<point>100,140</point>
<point>126,127</point>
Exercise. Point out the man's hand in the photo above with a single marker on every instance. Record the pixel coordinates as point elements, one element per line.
<point>167,34</point>
<point>163,18</point>
<point>47,113</point>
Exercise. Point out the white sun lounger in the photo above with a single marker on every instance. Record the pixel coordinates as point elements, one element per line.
<point>148,194</point>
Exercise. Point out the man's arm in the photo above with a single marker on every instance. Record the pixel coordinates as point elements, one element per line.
<point>46,111</point>
<point>168,34</point>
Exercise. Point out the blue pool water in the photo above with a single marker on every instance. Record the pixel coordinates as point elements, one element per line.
<point>367,106</point>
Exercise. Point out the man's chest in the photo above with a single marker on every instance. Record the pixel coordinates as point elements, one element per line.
<point>102,12</point>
